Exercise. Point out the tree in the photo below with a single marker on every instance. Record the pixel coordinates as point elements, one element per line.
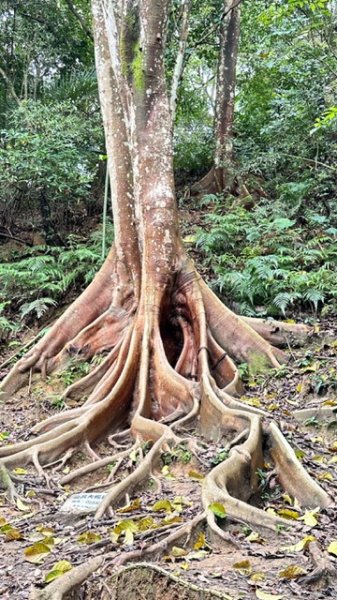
<point>170,341</point>
<point>218,177</point>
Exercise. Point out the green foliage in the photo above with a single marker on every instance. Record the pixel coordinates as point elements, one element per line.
<point>41,280</point>
<point>46,150</point>
<point>267,263</point>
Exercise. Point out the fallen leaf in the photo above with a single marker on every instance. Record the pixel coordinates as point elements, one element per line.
<point>265,596</point>
<point>134,505</point>
<point>309,517</point>
<point>19,471</point>
<point>196,476</point>
<point>326,476</point>
<point>58,569</point>
<point>292,572</point>
<point>162,506</point>
<point>244,566</point>
<point>89,537</point>
<point>128,527</point>
<point>301,545</point>
<point>287,513</point>
<point>332,548</point>
<point>201,542</point>
<point>10,532</point>
<point>21,505</point>
<point>37,552</point>
<point>178,552</point>
<point>255,537</point>
<point>218,509</point>
<point>256,577</point>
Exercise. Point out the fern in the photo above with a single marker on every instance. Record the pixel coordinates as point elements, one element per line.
<point>39,307</point>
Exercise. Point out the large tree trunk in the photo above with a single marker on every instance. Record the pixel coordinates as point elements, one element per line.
<point>219,177</point>
<point>171,343</point>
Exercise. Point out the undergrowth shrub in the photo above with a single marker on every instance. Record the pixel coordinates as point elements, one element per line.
<point>268,263</point>
<point>41,279</point>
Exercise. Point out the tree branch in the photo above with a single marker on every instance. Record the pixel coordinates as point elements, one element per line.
<point>80,19</point>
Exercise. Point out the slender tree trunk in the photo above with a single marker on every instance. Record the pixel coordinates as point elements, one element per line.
<point>218,179</point>
<point>169,343</point>
<point>225,92</point>
<point>179,64</point>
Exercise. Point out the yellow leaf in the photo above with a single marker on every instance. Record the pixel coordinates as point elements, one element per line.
<point>13,534</point>
<point>196,475</point>
<point>244,566</point>
<point>61,567</point>
<point>89,537</point>
<point>325,476</point>
<point>251,401</point>
<point>190,239</point>
<point>201,542</point>
<point>318,458</point>
<point>333,447</point>
<point>178,552</point>
<point>170,520</point>
<point>3,521</point>
<point>309,517</point>
<point>292,572</point>
<point>301,545</point>
<point>146,523</point>
<point>299,387</point>
<point>256,577</point>
<point>162,506</point>
<point>329,403</point>
<point>287,513</point>
<point>134,505</point>
<point>37,552</point>
<point>255,537</point>
<point>288,499</point>
<point>265,596</point>
<point>332,548</point>
<point>19,471</point>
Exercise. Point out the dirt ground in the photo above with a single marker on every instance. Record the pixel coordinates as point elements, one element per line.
<point>251,565</point>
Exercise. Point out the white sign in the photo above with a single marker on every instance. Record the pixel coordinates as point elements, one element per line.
<point>82,502</point>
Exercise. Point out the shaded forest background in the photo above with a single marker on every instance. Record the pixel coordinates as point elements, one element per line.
<point>272,252</point>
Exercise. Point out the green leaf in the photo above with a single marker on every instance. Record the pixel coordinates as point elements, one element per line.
<point>61,567</point>
<point>218,509</point>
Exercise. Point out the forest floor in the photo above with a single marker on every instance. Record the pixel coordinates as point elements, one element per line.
<point>37,531</point>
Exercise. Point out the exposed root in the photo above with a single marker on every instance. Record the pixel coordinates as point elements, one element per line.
<point>164,384</point>
<point>291,473</point>
<point>322,413</point>
<point>279,333</point>
<point>161,546</point>
<point>324,571</point>
<point>97,464</point>
<point>63,585</point>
